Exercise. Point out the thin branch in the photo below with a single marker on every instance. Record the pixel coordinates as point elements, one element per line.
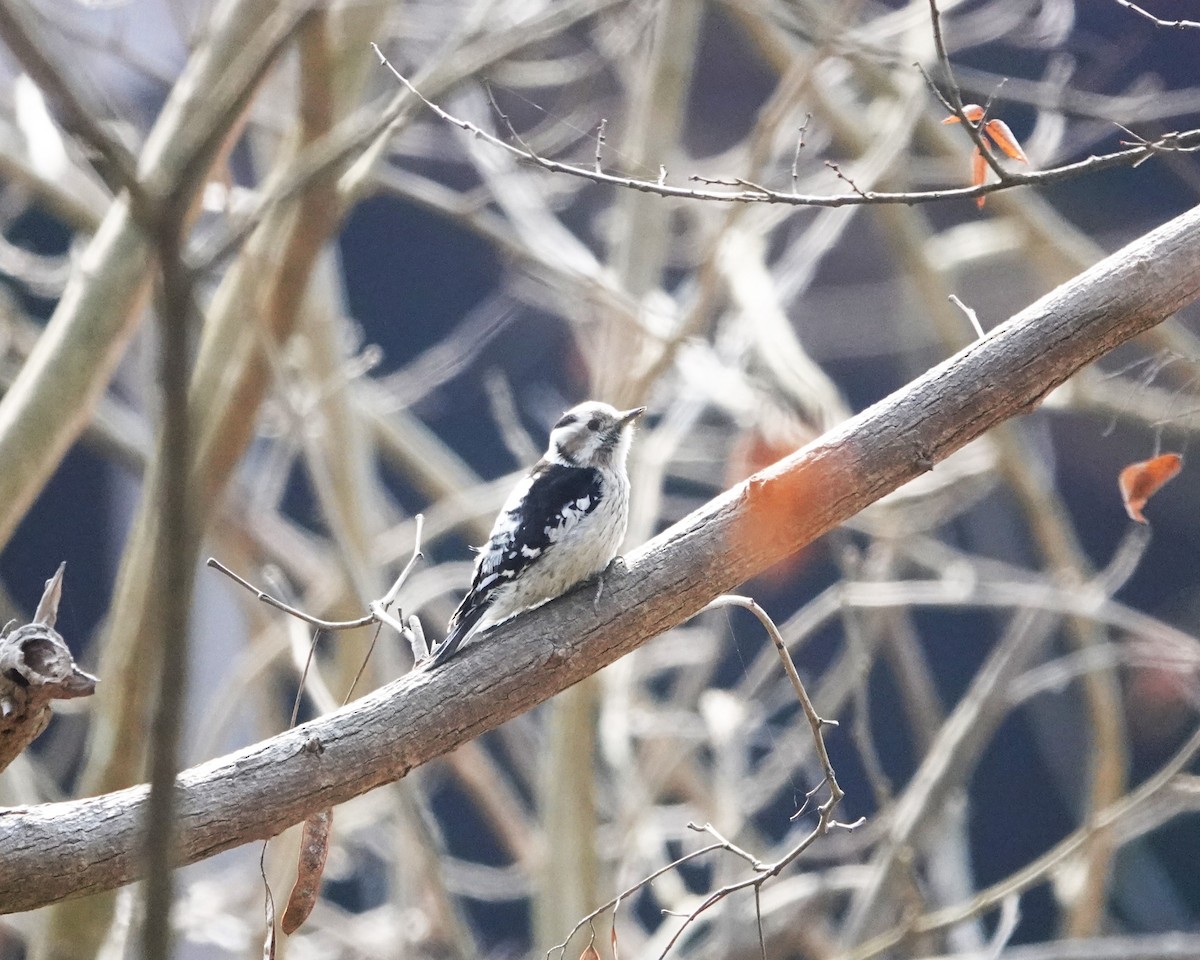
<point>166,224</point>
<point>615,902</point>
<point>971,315</point>
<point>419,528</point>
<point>1174,24</point>
<point>331,625</point>
<point>600,144</point>
<point>799,146</point>
<point>755,193</point>
<point>763,872</point>
<point>816,722</point>
<point>844,178</point>
<point>377,609</point>
<point>762,940</point>
<point>974,128</point>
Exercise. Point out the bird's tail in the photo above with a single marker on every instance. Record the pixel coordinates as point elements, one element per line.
<point>461,625</point>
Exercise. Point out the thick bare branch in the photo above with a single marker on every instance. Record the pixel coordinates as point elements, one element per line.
<point>61,850</point>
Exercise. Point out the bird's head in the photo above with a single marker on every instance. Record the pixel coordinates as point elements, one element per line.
<point>592,434</point>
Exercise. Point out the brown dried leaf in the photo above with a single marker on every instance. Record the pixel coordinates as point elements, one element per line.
<point>1140,481</point>
<point>314,848</point>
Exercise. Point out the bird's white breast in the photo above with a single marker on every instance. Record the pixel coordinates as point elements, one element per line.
<point>581,546</point>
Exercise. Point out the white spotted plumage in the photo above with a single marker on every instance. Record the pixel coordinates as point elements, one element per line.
<point>561,524</point>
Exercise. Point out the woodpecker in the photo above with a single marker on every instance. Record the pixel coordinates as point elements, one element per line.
<point>561,524</point>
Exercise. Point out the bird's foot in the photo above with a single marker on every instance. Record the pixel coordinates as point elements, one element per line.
<point>616,563</point>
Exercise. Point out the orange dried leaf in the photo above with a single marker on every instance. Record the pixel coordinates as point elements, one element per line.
<point>1004,139</point>
<point>314,848</point>
<point>1140,481</point>
<point>972,111</point>
<point>978,174</point>
<point>978,168</point>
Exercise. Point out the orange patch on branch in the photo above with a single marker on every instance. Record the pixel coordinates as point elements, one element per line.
<point>752,453</point>
<point>786,506</point>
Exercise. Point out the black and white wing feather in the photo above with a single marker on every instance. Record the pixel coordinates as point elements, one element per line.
<point>540,513</point>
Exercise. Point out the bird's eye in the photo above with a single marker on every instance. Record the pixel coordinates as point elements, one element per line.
<point>594,424</point>
<point>566,420</point>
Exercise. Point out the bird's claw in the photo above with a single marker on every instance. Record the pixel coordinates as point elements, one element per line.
<point>616,563</point>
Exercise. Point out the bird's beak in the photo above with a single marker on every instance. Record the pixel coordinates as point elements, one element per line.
<point>627,417</point>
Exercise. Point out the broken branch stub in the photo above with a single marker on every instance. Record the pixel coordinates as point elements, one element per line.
<point>36,667</point>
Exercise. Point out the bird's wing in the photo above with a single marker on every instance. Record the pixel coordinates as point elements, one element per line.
<point>539,512</point>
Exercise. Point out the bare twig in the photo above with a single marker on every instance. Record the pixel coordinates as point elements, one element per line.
<point>332,625</point>
<point>799,146</point>
<point>507,122</point>
<point>971,315</point>
<point>615,902</point>
<point>1164,144</point>
<point>844,178</point>
<point>600,143</point>
<point>377,609</point>
<point>755,193</point>
<point>991,97</point>
<point>974,128</point>
<point>1158,22</point>
<point>762,872</point>
<point>815,722</point>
